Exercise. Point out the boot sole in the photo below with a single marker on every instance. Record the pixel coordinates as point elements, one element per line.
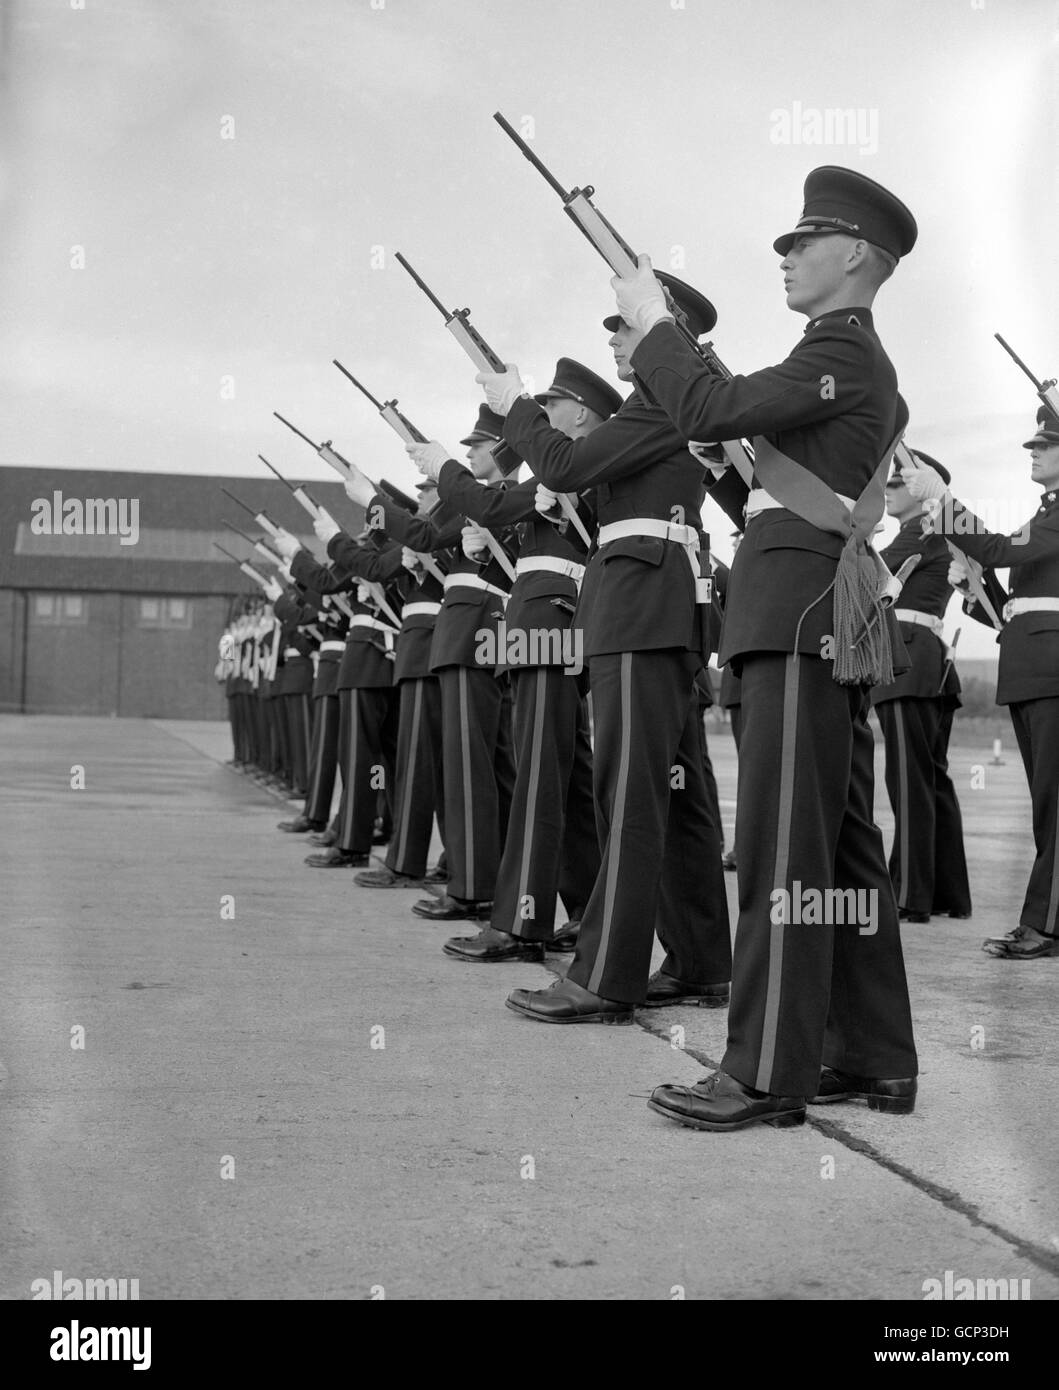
<point>782,1119</point>
<point>700,1000</point>
<point>887,1105</point>
<point>618,1019</point>
<point>492,960</point>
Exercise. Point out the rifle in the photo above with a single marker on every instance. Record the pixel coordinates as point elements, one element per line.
<point>406,431</point>
<point>949,659</point>
<point>975,571</point>
<point>486,360</point>
<point>247,568</point>
<point>299,494</point>
<point>622,259</point>
<point>262,519</point>
<point>1046,390</point>
<point>259,546</point>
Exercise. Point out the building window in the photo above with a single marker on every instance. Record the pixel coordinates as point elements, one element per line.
<point>60,610</point>
<point>165,612</point>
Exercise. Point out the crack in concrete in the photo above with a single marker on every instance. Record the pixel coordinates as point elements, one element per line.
<point>1046,1260</point>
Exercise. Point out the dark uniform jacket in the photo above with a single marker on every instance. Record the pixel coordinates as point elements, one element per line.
<point>466,612</point>
<point>927,590</point>
<point>541,600</point>
<point>1029,642</point>
<point>833,407</point>
<point>638,593</point>
<point>368,660</point>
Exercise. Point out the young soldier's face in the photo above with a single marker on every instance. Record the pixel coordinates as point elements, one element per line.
<point>480,457</point>
<point>814,270</point>
<point>623,343</point>
<point>1044,465</point>
<point>562,413</point>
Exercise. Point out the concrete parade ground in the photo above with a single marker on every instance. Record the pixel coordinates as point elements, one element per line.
<point>307,1100</point>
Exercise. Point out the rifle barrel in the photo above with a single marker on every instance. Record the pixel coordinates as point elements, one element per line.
<point>278,474</point>
<point>1017,359</point>
<point>296,430</point>
<point>537,163</point>
<point>349,375</point>
<point>231,497</point>
<point>232,527</point>
<point>226,552</point>
<point>424,287</point>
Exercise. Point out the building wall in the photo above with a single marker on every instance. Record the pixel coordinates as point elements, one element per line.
<point>114,657</point>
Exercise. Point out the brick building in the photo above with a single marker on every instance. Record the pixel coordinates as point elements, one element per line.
<point>127,624</point>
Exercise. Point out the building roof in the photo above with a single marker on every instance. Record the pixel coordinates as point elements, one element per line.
<point>158,529</point>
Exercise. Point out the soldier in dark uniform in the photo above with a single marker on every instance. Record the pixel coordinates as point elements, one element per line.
<point>419,785</point>
<point>551,845</point>
<point>928,864</point>
<point>824,423</point>
<point>478,766</point>
<point>644,605</point>
<point>1029,666</point>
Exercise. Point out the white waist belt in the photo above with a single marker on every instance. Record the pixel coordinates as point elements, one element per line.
<point>569,568</point>
<point>388,632</point>
<point>410,610</point>
<point>650,526</point>
<point>761,501</point>
<point>913,615</point>
<point>288,652</point>
<point>473,581</point>
<point>332,646</point>
<point>1015,606</point>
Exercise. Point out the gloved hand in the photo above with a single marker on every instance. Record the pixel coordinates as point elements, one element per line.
<point>273,589</point>
<point>546,501</point>
<point>286,544</point>
<point>429,458</point>
<point>959,574</point>
<point>359,489</point>
<point>641,298</point>
<point>502,389</point>
<point>474,544</point>
<point>326,527</point>
<point>923,483</point>
<point>364,594</point>
<point>711,456</point>
<point>284,573</point>
<point>408,558</point>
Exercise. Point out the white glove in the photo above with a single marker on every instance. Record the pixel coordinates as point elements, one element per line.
<point>364,594</point>
<point>923,483</point>
<point>286,544</point>
<point>959,574</point>
<point>429,458</point>
<point>359,489</point>
<point>284,572</point>
<point>273,590</point>
<point>546,500</point>
<point>641,298</point>
<point>409,559</point>
<point>325,526</point>
<point>502,389</point>
<point>473,542</point>
<point>711,456</point>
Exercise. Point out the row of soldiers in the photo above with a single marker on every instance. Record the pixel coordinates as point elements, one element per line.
<point>480,617</point>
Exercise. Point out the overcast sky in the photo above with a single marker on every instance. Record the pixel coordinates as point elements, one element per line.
<point>221,275</point>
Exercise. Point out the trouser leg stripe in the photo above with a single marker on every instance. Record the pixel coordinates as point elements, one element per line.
<point>539,697</point>
<point>410,773</point>
<point>617,823</point>
<point>468,790</point>
<point>785,809</point>
<point>902,804</point>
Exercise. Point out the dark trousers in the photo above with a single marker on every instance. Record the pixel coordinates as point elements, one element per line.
<point>479,776</point>
<point>551,846</point>
<point>298,718</point>
<point>1037,733</point>
<point>266,755</point>
<point>323,759</point>
<point>928,865</point>
<point>367,740</point>
<point>661,842</point>
<point>809,991</point>
<point>418,785</point>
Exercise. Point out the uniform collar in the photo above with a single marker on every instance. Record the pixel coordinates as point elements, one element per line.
<point>860,317</point>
